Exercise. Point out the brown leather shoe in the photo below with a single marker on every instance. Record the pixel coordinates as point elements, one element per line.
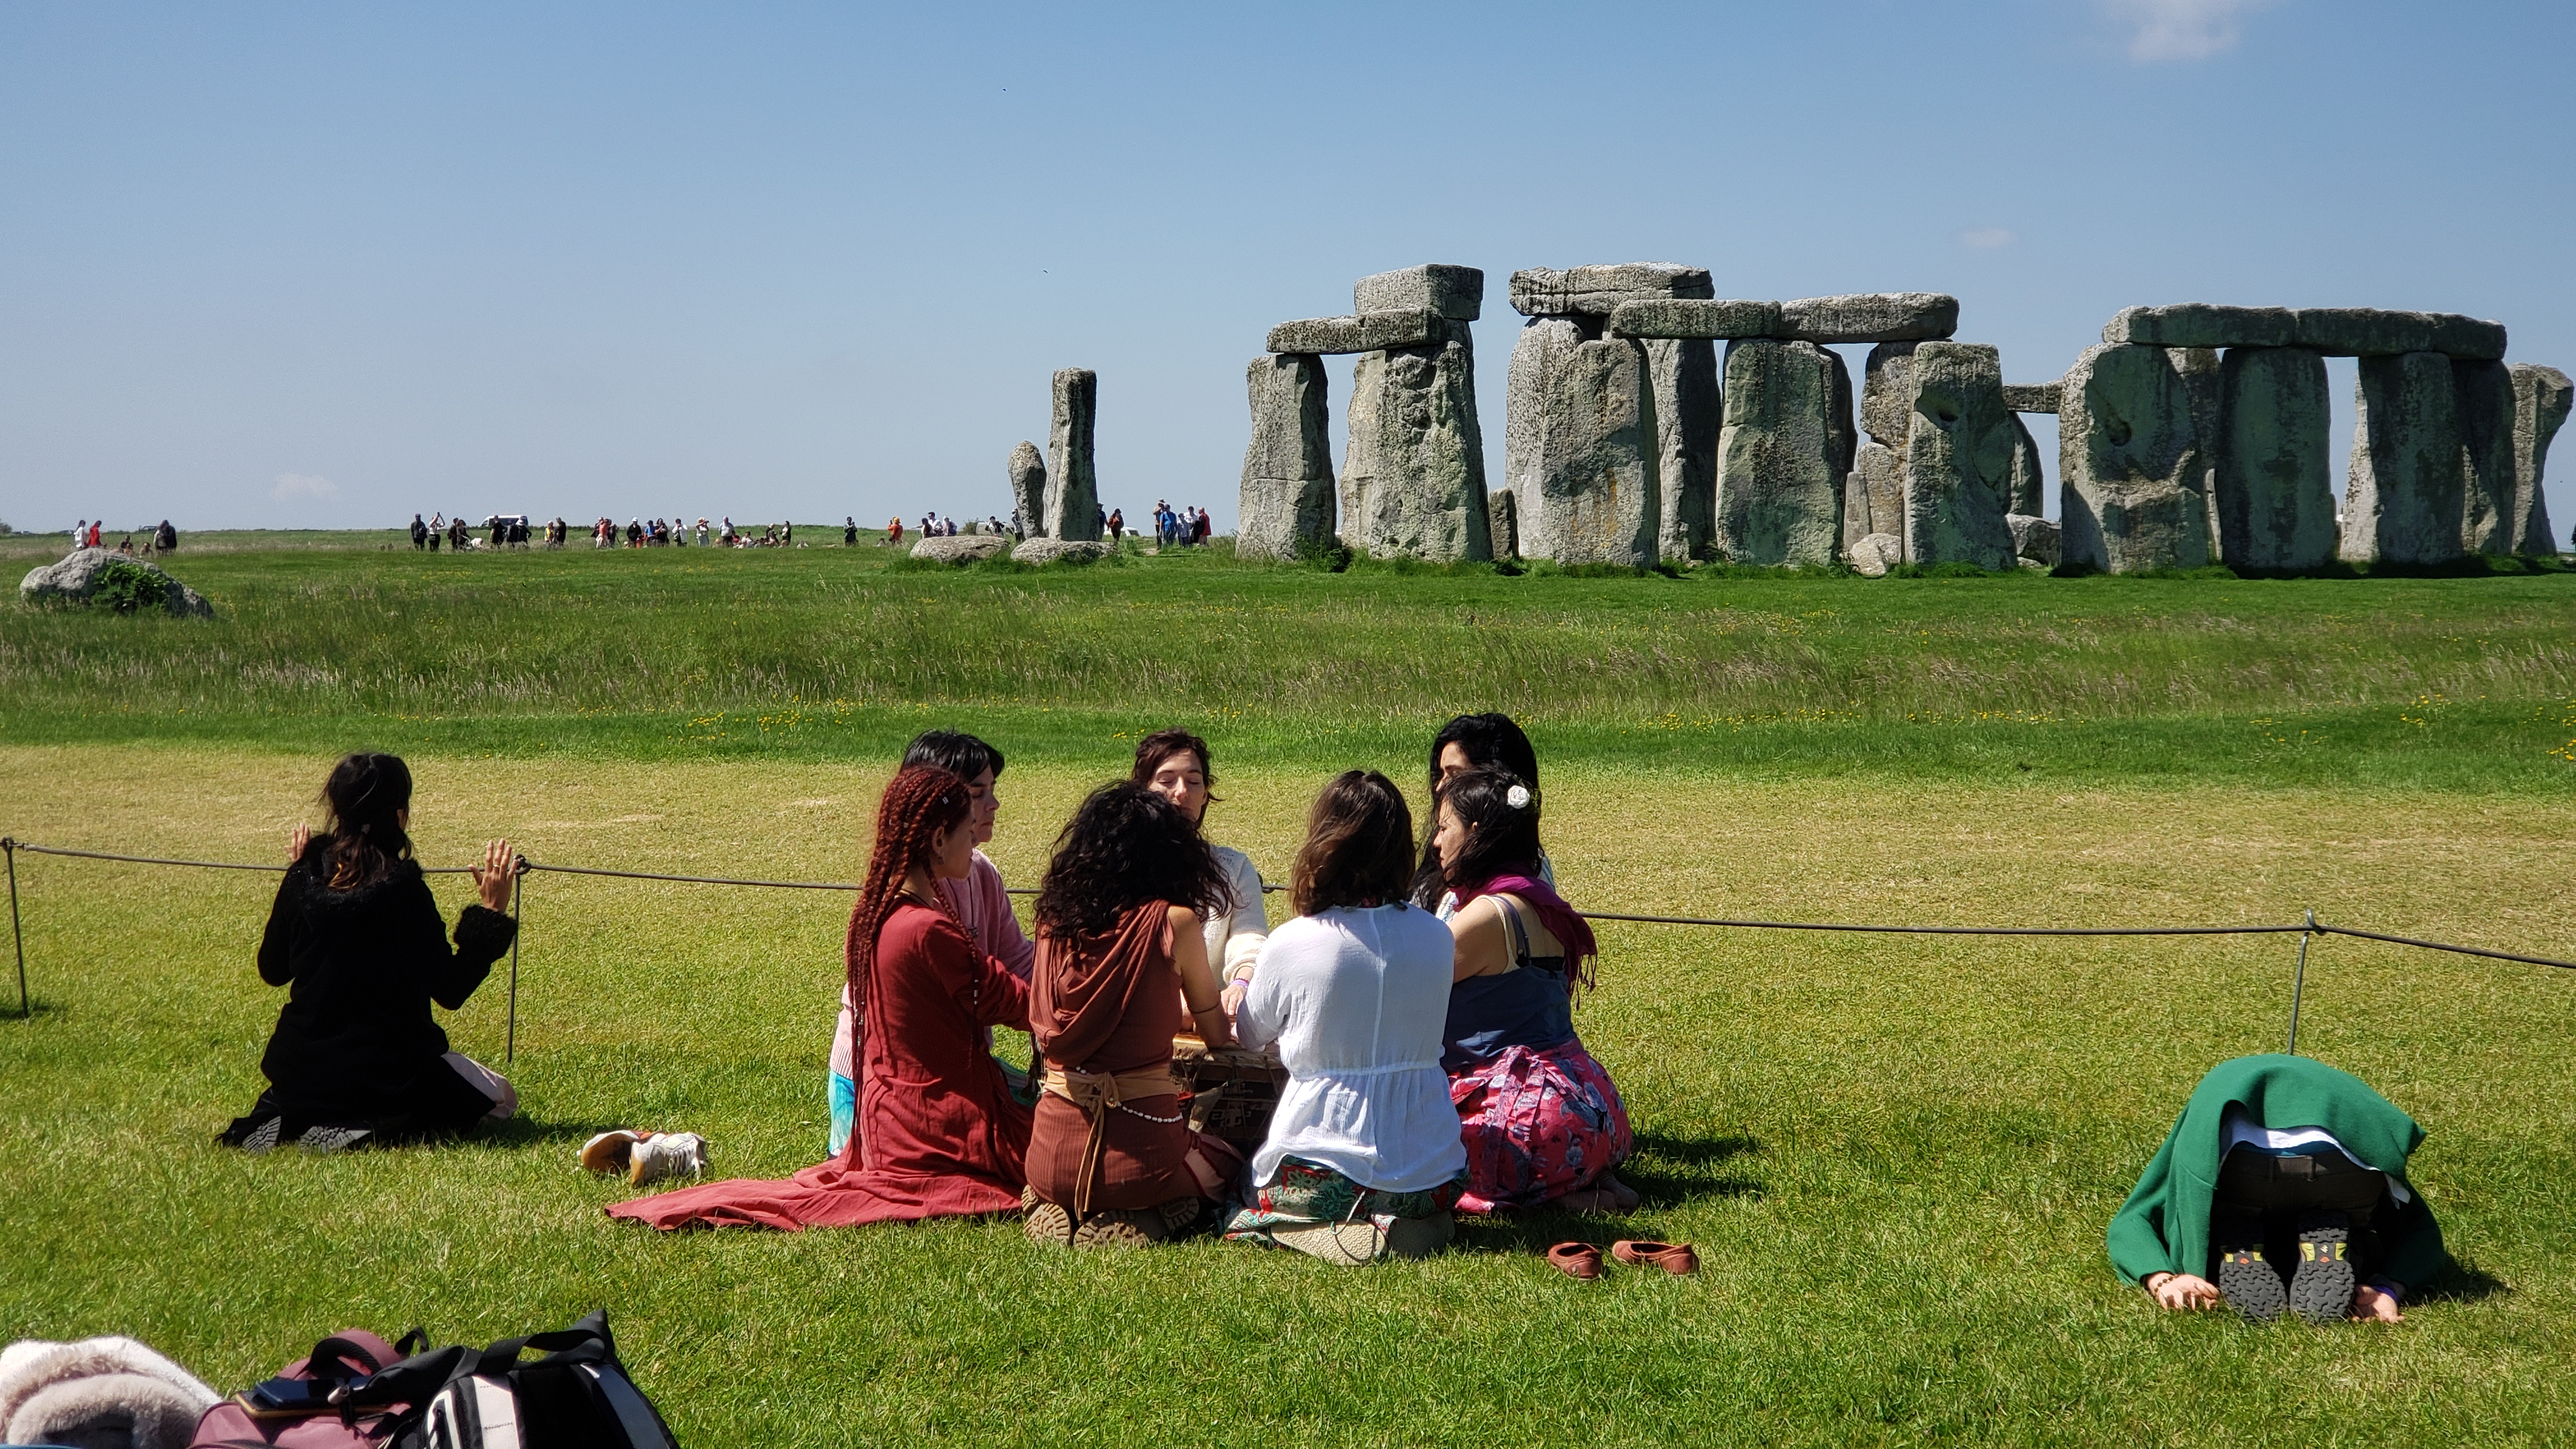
<point>1677,1259</point>
<point>1580,1261</point>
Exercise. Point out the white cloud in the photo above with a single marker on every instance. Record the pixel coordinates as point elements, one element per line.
<point>2180,29</point>
<point>1986,238</point>
<point>303,485</point>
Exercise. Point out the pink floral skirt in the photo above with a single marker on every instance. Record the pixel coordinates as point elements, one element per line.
<point>1537,1125</point>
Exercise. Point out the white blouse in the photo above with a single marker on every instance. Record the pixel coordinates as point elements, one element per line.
<point>1356,999</point>
<point>1235,932</point>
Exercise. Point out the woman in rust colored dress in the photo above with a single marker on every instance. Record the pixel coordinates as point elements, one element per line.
<point>938,1134</point>
<point>1121,966</point>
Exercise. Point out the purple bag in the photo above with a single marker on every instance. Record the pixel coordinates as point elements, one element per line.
<point>253,1419</point>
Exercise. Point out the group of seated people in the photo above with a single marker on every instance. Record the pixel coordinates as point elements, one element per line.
<point>1420,1002</point>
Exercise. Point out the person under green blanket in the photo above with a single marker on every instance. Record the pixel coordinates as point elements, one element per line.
<point>2281,1160</point>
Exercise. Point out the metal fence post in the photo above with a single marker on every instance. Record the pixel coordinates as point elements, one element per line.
<point>519,924</point>
<point>2299,983</point>
<point>17,941</point>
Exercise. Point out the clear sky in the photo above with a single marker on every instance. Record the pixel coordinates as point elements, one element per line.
<point>330,264</point>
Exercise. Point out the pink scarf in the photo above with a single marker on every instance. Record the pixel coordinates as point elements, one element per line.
<point>1570,930</point>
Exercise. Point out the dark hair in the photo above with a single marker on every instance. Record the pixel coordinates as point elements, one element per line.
<point>918,803</point>
<point>1502,838</point>
<point>1124,846</point>
<point>364,795</point>
<point>962,755</point>
<point>1161,745</point>
<point>1359,845</point>
<point>1490,741</point>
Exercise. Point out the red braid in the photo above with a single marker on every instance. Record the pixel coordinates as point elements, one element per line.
<point>918,803</point>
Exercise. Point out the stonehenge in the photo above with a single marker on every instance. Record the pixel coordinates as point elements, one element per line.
<point>1960,449</point>
<point>1602,472</point>
<point>2540,400</point>
<point>1028,474</point>
<point>2404,496</point>
<point>1070,509</point>
<point>1287,492</point>
<point>2133,493</point>
<point>2269,484</point>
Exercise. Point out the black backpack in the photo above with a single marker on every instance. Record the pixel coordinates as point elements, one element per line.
<point>577,1396</point>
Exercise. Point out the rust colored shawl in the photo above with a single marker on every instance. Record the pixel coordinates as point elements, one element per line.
<point>1107,1002</point>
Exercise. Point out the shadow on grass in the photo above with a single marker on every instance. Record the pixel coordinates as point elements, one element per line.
<point>2461,1281</point>
<point>1665,1171</point>
<point>524,1132</point>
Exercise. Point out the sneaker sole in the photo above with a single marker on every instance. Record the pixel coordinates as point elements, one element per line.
<point>334,1139</point>
<point>1047,1223</point>
<point>1121,1230</point>
<point>2252,1287</point>
<point>263,1138</point>
<point>2321,1289</point>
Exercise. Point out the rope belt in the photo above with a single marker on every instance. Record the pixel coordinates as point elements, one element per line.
<point>1095,1093</point>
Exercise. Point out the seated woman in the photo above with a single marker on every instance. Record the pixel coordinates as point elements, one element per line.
<point>1363,1158</point>
<point>1473,742</point>
<point>2281,1160</point>
<point>1542,1122</point>
<point>357,1057</point>
<point>938,1134</point>
<point>1174,764</point>
<point>1112,1158</point>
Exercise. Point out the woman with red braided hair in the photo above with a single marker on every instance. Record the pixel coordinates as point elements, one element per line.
<point>938,1134</point>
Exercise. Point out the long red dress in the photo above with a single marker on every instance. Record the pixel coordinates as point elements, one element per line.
<point>939,1135</point>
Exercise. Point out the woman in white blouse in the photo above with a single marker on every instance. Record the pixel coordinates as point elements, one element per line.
<point>1174,764</point>
<point>1363,1159</point>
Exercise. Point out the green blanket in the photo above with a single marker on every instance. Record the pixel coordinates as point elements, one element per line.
<point>2164,1226</point>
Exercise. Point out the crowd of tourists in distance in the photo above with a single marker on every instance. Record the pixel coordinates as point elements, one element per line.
<point>1420,1002</point>
<point>513,530</point>
<point>1173,528</point>
<point>89,533</point>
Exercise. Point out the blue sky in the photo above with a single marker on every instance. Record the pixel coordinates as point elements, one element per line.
<point>327,265</point>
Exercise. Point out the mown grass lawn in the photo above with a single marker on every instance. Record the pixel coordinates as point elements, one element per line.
<point>1896,1155</point>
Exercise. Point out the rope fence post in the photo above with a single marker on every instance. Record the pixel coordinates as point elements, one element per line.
<point>519,927</point>
<point>17,942</point>
<point>2299,983</point>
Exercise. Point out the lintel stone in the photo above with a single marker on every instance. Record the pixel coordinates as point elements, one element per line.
<point>2033,397</point>
<point>1695,317</point>
<point>1596,291</point>
<point>1870,317</point>
<point>1367,332</point>
<point>1457,293</point>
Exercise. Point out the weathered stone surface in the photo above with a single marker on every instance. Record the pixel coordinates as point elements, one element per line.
<point>1413,481</point>
<point>1958,458</point>
<point>1779,495</point>
<point>1536,355</point>
<point>1597,291</point>
<point>1687,417</point>
<point>2482,394</point>
<point>1449,291</point>
<point>2032,397</point>
<point>1599,499</point>
<point>1072,508</point>
<point>1028,487</point>
<point>1839,428</point>
<point>1855,509</point>
<point>2203,324</point>
<point>1871,317</point>
<point>2198,369</point>
<point>2036,542</point>
<point>1056,550</point>
<point>2363,331</point>
<point>1286,497</point>
<point>2402,498</point>
<point>1698,317</point>
<point>1502,523</point>
<point>1367,332</point>
<point>2270,482</point>
<point>2025,484</point>
<point>2130,475</point>
<point>73,580</point>
<point>1887,393</point>
<point>2468,338</point>
<point>1876,553</point>
<point>2540,402</point>
<point>1878,481</point>
<point>962,548</point>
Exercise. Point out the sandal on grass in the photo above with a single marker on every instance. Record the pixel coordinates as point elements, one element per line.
<point>1678,1259</point>
<point>1579,1261</point>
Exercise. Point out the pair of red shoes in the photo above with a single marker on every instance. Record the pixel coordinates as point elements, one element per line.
<point>1582,1261</point>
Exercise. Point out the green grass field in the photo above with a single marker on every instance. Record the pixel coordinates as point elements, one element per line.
<point>1896,1155</point>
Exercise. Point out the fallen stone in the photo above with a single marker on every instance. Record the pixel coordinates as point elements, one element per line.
<point>1028,488</point>
<point>1887,393</point>
<point>1870,317</point>
<point>1687,417</point>
<point>1599,499</point>
<point>1876,553</point>
<point>1958,458</point>
<point>1286,496</point>
<point>2540,403</point>
<point>2468,339</point>
<point>1072,509</point>
<point>2036,541</point>
<point>962,548</point>
<point>1058,550</point>
<point>2130,475</point>
<point>2202,324</point>
<point>1537,354</point>
<point>1779,495</point>
<point>1502,523</point>
<point>1878,477</point>
<point>2026,484</point>
<point>2270,483</point>
<point>1413,480</point>
<point>1597,291</point>
<point>1367,332</point>
<point>1453,292</point>
<point>1698,317</point>
<point>2032,397</point>
<point>2402,495</point>
<point>2363,331</point>
<point>75,579</point>
<point>2482,394</point>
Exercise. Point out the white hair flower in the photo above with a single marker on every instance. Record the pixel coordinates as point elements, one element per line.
<point>1518,797</point>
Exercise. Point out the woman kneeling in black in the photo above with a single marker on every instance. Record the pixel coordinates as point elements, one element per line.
<point>356,1057</point>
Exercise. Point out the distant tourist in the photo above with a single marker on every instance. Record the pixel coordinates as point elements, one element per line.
<point>93,533</point>
<point>849,531</point>
<point>419,533</point>
<point>787,535</point>
<point>80,534</point>
<point>702,533</point>
<point>166,539</point>
<point>1117,526</point>
<point>456,534</point>
<point>357,1057</point>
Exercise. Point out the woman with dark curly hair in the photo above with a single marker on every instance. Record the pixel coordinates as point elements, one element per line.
<point>938,1134</point>
<point>1120,952</point>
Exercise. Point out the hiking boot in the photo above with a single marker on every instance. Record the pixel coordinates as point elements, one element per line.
<point>263,1138</point>
<point>1182,1213</point>
<point>666,1154</point>
<point>334,1139</point>
<point>2321,1288</point>
<point>2248,1281</point>
<point>1045,1222</point>
<point>1121,1230</point>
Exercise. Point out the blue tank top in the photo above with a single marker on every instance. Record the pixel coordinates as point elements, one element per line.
<point>1531,1006</point>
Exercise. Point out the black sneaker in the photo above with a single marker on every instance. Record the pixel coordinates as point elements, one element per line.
<point>2246,1279</point>
<point>2321,1289</point>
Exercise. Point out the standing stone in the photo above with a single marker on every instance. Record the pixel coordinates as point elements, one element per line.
<point>1536,357</point>
<point>1838,412</point>
<point>2401,499</point>
<point>1028,488</point>
<point>1072,491</point>
<point>2025,485</point>
<point>2269,479</point>
<point>1599,499</point>
<point>1502,523</point>
<point>1287,496</point>
<point>1779,496</point>
<point>1413,481</point>
<point>2484,398</point>
<point>1687,417</point>
<point>2130,478</point>
<point>1887,393</point>
<point>1958,458</point>
<point>1878,483</point>
<point>2540,402</point>
<point>2198,368</point>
